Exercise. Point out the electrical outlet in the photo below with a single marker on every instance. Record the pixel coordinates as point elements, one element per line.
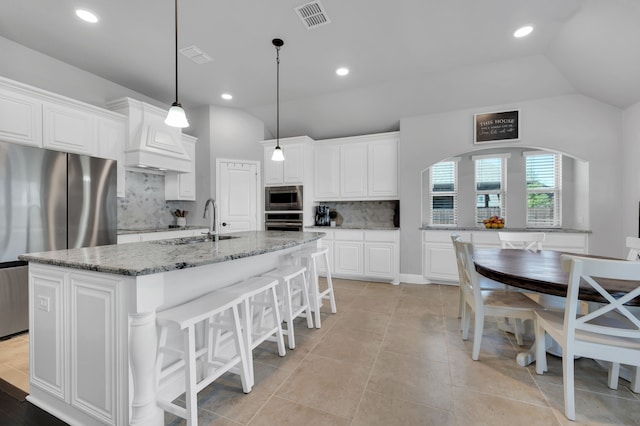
<point>43,303</point>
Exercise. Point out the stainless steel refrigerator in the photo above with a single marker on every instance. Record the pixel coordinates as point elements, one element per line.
<point>49,200</point>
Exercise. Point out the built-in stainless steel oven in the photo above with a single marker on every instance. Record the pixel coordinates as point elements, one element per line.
<point>283,221</point>
<point>278,198</point>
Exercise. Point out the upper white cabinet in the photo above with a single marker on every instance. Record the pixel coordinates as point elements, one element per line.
<point>20,118</point>
<point>326,166</point>
<point>291,171</point>
<point>182,186</point>
<point>66,128</point>
<point>357,168</point>
<point>110,143</point>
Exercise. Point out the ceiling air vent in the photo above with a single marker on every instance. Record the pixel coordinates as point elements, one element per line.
<point>195,54</point>
<point>312,15</point>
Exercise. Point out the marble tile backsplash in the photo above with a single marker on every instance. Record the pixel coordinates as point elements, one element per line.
<point>144,205</point>
<point>366,213</point>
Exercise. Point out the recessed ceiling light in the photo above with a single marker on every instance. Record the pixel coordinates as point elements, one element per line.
<point>342,71</point>
<point>226,96</point>
<point>87,16</point>
<point>523,31</point>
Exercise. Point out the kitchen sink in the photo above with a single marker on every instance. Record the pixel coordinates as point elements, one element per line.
<point>191,240</point>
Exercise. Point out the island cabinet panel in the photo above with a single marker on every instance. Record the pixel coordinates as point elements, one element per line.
<point>94,323</point>
<point>78,338</point>
<point>47,332</point>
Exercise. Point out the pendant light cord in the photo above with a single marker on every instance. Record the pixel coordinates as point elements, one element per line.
<point>176,50</point>
<point>278,96</point>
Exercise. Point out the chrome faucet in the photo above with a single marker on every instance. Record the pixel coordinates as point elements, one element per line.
<point>212,228</point>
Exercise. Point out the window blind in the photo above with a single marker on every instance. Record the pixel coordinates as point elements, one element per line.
<point>443,193</point>
<point>544,182</point>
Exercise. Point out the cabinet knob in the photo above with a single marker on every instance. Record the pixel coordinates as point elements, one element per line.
<point>224,223</point>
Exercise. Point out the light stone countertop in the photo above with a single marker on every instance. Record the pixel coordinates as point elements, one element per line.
<point>478,228</point>
<point>356,227</point>
<point>149,230</point>
<point>133,259</point>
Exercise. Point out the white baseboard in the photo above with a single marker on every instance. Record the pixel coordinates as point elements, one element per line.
<point>419,279</point>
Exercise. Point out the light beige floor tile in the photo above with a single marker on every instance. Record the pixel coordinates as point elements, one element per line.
<point>382,410</point>
<point>342,283</point>
<point>356,346</point>
<point>594,408</point>
<point>496,376</point>
<point>418,322</point>
<point>267,352</point>
<point>369,321</point>
<point>494,343</point>
<point>412,379</point>
<point>430,345</point>
<point>408,305</point>
<point>430,292</point>
<point>377,302</point>
<point>282,412</point>
<point>326,384</point>
<point>226,398</point>
<point>205,418</point>
<point>589,376</point>
<point>474,408</point>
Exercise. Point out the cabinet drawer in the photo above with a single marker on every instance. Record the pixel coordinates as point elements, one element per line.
<point>348,235</point>
<point>381,236</point>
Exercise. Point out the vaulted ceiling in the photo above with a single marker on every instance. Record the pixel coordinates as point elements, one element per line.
<point>406,57</point>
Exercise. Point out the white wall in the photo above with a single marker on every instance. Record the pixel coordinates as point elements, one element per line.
<point>573,124</point>
<point>630,163</point>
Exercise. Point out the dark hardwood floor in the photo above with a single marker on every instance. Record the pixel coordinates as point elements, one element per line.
<point>18,413</point>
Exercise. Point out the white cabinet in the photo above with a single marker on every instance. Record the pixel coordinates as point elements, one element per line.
<point>326,167</point>
<point>353,170</point>
<point>182,186</point>
<point>381,254</point>
<point>67,128</point>
<point>20,118</point>
<point>71,312</point>
<point>364,254</point>
<point>439,260</point>
<point>110,144</point>
<point>291,171</point>
<point>357,168</point>
<point>383,168</point>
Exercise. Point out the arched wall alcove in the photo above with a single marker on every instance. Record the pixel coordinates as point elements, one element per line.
<point>575,187</point>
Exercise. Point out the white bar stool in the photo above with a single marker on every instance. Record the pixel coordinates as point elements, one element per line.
<point>309,257</point>
<point>295,297</point>
<point>215,310</point>
<point>259,302</point>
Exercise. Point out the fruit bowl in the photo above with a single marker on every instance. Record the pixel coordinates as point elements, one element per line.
<point>494,222</point>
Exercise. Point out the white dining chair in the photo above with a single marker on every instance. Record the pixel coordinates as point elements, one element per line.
<point>633,244</point>
<point>609,333</point>
<point>522,240</point>
<point>487,303</point>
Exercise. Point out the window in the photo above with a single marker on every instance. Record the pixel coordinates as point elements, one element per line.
<point>490,172</point>
<point>544,185</point>
<point>443,192</point>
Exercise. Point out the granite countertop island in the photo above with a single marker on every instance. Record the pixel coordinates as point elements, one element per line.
<point>92,320</point>
<point>152,257</point>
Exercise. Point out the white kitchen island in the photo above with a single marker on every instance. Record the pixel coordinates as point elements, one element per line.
<point>92,316</point>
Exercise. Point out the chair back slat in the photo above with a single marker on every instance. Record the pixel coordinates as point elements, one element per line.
<point>611,318</point>
<point>467,271</point>
<point>522,240</point>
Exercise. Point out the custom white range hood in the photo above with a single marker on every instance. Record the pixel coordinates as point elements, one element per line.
<point>151,144</point>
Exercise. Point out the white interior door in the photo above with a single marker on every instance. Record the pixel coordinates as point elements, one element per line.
<point>237,184</point>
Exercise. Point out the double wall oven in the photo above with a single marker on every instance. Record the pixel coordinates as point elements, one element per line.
<point>283,208</point>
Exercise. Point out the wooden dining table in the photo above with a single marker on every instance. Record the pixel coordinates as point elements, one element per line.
<point>542,272</point>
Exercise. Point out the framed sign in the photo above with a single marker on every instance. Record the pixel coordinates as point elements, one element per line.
<point>497,126</point>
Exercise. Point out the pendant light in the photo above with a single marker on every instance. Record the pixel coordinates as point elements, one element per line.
<point>278,154</point>
<point>176,116</point>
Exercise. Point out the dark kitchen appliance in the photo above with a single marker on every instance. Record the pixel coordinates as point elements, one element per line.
<point>322,216</point>
<point>50,201</point>
<point>283,222</point>
<point>283,198</point>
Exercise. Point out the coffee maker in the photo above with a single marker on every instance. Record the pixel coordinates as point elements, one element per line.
<point>322,216</point>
